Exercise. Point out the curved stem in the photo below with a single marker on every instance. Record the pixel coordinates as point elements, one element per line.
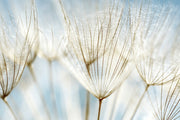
<point>39,90</point>
<point>99,111</point>
<point>52,90</point>
<point>87,105</point>
<point>139,102</point>
<point>10,108</point>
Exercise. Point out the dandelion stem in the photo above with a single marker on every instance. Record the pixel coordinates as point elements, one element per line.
<point>114,105</point>
<point>16,107</point>
<point>87,105</point>
<point>39,90</point>
<point>52,90</point>
<point>10,108</point>
<point>99,111</point>
<point>139,102</point>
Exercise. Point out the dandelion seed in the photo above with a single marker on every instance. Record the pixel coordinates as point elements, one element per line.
<point>15,48</point>
<point>92,51</point>
<point>153,61</point>
<point>166,106</point>
<point>12,64</point>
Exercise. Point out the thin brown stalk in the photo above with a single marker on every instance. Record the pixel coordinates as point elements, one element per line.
<point>87,105</point>
<point>39,90</point>
<point>99,110</point>
<point>139,102</point>
<point>4,100</point>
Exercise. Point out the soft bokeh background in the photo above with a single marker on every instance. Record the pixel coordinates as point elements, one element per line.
<point>70,95</point>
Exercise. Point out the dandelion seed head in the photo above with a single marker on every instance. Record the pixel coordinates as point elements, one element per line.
<point>51,46</point>
<point>165,101</point>
<point>153,60</point>
<point>14,52</point>
<point>99,51</point>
